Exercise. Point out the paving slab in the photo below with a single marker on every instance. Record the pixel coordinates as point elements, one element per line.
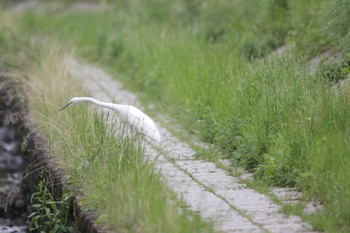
<point>205,188</point>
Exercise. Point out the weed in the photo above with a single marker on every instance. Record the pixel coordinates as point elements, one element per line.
<point>335,70</point>
<point>48,214</point>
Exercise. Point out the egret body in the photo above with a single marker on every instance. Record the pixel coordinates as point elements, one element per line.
<point>134,116</point>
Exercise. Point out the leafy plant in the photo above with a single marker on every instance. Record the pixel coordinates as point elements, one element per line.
<point>335,69</point>
<point>50,215</point>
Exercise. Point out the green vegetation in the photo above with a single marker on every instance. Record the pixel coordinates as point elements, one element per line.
<point>211,64</point>
<point>50,215</point>
<point>107,174</point>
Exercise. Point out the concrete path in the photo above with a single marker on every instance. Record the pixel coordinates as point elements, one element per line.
<point>209,190</point>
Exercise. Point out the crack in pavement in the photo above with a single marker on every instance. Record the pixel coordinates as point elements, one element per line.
<point>217,196</point>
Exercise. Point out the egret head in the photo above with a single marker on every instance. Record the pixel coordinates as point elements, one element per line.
<point>71,102</point>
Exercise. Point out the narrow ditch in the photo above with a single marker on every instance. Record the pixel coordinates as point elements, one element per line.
<point>24,163</point>
<point>13,212</point>
<point>13,195</point>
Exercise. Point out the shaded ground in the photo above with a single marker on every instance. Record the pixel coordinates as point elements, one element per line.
<point>13,214</point>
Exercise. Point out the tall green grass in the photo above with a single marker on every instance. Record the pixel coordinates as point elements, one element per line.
<point>211,65</point>
<point>108,173</point>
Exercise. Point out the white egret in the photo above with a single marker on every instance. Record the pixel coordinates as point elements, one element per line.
<point>134,117</point>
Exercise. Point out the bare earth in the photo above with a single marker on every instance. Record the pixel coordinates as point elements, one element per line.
<point>209,190</point>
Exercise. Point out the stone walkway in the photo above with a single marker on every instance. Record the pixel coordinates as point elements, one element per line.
<point>209,190</point>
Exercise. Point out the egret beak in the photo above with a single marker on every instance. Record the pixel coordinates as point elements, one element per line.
<point>66,106</point>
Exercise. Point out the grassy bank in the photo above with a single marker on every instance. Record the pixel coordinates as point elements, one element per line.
<point>107,174</point>
<point>212,65</point>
